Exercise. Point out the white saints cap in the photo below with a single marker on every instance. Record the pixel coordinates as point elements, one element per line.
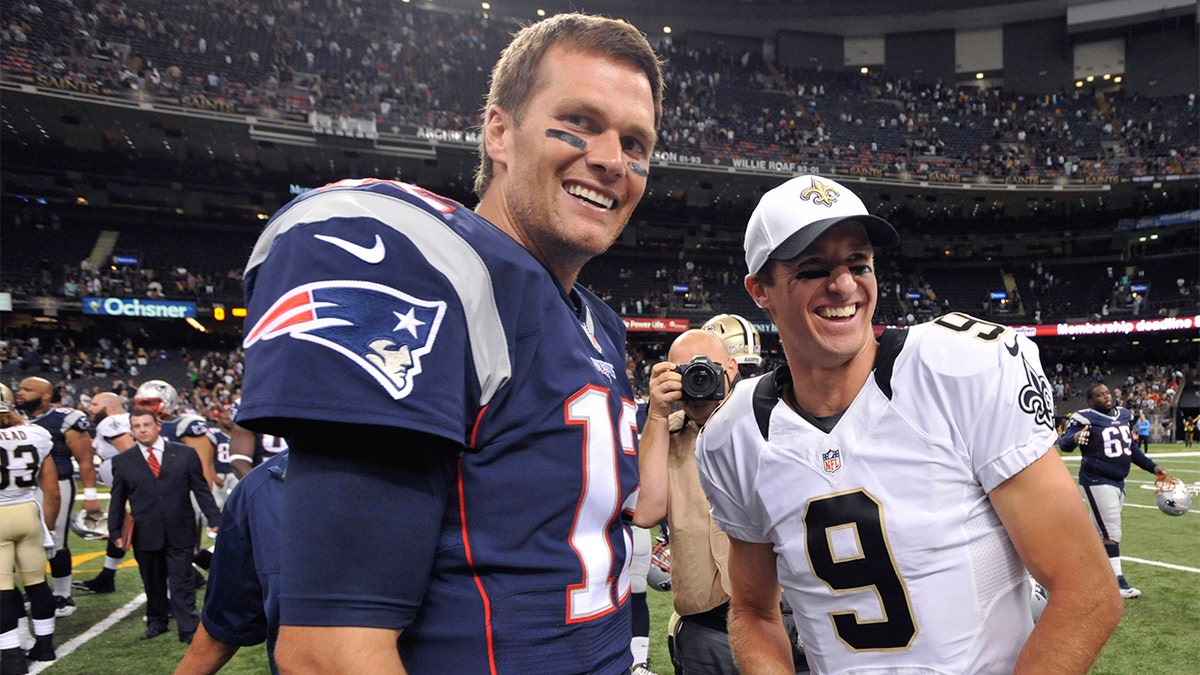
<point>791,216</point>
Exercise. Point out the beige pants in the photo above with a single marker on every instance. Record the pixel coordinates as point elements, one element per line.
<point>21,545</point>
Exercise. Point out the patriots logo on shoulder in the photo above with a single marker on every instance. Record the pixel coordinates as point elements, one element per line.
<point>383,331</point>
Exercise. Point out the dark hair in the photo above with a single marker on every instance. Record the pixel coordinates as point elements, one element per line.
<point>514,76</point>
<point>1092,389</point>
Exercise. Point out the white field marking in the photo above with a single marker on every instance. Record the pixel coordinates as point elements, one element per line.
<point>1155,563</point>
<point>1190,512</point>
<point>83,638</point>
<point>1075,457</point>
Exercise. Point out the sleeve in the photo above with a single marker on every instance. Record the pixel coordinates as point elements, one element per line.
<point>1011,422</point>
<point>727,475</point>
<point>1074,425</point>
<point>116,504</point>
<point>233,607</point>
<point>194,426</point>
<point>199,486</point>
<point>77,421</point>
<point>112,427</point>
<point>1138,457</point>
<point>356,315</point>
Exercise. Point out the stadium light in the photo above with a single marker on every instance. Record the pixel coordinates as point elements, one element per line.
<point>667,30</point>
<point>979,76</point>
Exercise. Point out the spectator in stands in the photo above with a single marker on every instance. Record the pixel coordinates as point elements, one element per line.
<point>1141,434</point>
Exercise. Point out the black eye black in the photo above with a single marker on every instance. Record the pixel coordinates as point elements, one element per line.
<point>860,270</point>
<point>812,274</point>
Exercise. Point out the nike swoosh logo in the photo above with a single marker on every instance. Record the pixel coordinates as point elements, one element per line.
<point>371,256</point>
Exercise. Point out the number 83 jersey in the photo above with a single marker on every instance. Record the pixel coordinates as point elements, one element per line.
<point>889,550</point>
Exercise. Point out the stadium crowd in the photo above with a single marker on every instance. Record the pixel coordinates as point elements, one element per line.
<point>375,60</point>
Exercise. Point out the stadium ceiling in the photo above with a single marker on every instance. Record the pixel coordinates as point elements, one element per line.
<point>765,17</point>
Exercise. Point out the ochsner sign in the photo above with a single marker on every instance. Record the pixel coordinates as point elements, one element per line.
<point>146,309</point>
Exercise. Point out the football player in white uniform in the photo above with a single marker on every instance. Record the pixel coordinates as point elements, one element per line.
<point>111,423</point>
<point>25,535</point>
<point>897,489</point>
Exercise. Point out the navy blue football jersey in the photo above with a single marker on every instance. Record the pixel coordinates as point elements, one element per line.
<point>1110,448</point>
<point>58,421</point>
<point>177,428</point>
<point>221,457</point>
<point>267,446</point>
<point>408,310</point>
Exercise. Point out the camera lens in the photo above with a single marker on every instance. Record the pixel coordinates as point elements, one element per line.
<point>699,380</point>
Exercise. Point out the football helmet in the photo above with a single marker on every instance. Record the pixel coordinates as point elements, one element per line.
<point>90,526</point>
<point>158,396</point>
<point>1038,598</point>
<point>8,402</point>
<point>1173,497</point>
<point>659,576</point>
<point>740,338</point>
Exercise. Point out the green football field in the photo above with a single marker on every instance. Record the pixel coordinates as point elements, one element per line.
<point>1160,631</point>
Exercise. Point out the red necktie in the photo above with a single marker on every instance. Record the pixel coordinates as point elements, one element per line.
<point>152,461</point>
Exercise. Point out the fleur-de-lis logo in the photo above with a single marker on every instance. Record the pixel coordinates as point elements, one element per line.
<point>820,193</point>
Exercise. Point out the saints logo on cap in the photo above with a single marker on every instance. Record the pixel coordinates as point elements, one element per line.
<point>820,193</point>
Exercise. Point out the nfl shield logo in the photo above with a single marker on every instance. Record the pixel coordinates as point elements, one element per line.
<point>832,459</point>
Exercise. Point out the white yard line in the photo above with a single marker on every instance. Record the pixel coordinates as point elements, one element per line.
<point>83,638</point>
<point>1155,563</point>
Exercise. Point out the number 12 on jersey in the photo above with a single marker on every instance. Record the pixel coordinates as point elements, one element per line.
<point>600,503</point>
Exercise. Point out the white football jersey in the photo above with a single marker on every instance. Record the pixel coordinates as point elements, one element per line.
<point>889,551</point>
<point>23,449</point>
<point>109,428</point>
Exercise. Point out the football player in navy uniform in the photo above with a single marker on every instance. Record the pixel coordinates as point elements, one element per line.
<point>243,444</point>
<point>898,488</point>
<point>69,429</point>
<point>248,449</point>
<point>480,436</point>
<point>226,479</point>
<point>1103,435</point>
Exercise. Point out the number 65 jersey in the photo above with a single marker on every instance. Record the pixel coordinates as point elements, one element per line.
<point>889,550</point>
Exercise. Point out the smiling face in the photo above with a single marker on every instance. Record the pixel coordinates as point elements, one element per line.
<point>823,299</point>
<point>569,174</point>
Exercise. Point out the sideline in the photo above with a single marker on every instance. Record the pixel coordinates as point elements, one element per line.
<point>83,638</point>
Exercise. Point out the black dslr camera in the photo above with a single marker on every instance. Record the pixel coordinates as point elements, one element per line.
<point>703,380</point>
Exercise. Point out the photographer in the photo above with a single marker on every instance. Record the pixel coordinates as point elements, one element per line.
<point>705,363</point>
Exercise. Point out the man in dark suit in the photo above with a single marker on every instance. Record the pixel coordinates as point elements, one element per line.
<point>157,480</point>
